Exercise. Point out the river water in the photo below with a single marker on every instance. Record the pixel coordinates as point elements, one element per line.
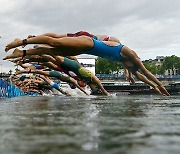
<point>127,124</point>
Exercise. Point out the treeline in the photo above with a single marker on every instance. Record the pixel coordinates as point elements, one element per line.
<point>104,66</point>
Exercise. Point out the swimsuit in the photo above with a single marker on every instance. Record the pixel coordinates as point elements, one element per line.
<point>22,78</point>
<point>38,66</point>
<point>55,85</point>
<point>75,67</point>
<point>60,76</point>
<point>70,73</point>
<point>134,68</point>
<point>81,33</point>
<point>85,75</point>
<point>105,51</point>
<point>44,83</point>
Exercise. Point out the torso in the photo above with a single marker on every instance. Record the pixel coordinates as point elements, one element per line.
<point>106,49</point>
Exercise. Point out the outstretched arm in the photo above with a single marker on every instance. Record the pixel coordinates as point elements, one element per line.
<point>46,73</point>
<point>50,58</point>
<point>55,35</point>
<point>22,65</point>
<point>98,83</point>
<point>144,79</point>
<point>16,60</point>
<point>73,58</point>
<point>152,77</point>
<point>76,84</point>
<point>55,85</point>
<point>128,74</point>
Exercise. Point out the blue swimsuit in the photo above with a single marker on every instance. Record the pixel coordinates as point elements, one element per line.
<point>105,51</point>
<point>38,66</point>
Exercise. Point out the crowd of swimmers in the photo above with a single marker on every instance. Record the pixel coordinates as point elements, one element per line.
<point>53,57</point>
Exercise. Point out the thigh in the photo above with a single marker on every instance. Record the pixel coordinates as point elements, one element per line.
<point>74,43</point>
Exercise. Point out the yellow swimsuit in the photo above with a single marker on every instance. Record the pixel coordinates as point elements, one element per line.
<point>86,75</point>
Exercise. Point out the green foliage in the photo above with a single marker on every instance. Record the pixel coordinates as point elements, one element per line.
<point>104,66</point>
<point>171,62</point>
<point>153,68</point>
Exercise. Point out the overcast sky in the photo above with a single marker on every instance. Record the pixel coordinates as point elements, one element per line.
<point>151,28</point>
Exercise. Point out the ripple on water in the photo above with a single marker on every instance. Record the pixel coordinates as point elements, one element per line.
<point>98,124</point>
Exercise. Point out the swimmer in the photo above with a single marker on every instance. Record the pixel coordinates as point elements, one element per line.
<point>33,66</point>
<point>72,65</point>
<point>71,46</point>
<point>55,74</point>
<point>81,33</point>
<point>40,82</point>
<point>54,85</point>
<point>43,62</point>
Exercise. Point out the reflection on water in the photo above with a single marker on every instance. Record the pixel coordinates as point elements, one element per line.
<point>108,125</point>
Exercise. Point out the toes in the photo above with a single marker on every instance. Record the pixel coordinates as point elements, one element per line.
<point>5,58</point>
<point>6,49</point>
<point>164,91</point>
<point>8,57</point>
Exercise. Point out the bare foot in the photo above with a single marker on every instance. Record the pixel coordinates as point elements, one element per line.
<point>163,90</point>
<point>17,42</point>
<point>16,53</point>
<point>23,71</point>
<point>19,62</point>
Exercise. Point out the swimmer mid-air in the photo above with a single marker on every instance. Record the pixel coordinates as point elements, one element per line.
<point>70,46</point>
<point>70,67</point>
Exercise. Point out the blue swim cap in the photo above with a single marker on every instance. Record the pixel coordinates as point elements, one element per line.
<point>22,78</point>
<point>73,86</point>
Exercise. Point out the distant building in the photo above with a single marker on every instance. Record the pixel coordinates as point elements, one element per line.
<point>158,62</point>
<point>88,61</point>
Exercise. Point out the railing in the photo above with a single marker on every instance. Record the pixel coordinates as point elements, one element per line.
<point>167,76</point>
<point>119,76</point>
<point>113,76</point>
<point>8,90</point>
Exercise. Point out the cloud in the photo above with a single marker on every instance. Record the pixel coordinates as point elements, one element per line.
<point>150,28</point>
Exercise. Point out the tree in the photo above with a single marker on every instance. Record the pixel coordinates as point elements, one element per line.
<point>171,62</point>
<point>104,66</point>
<point>153,68</point>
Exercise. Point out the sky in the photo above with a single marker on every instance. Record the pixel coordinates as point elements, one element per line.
<point>151,28</point>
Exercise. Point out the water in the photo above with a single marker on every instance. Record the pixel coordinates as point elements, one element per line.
<point>137,124</point>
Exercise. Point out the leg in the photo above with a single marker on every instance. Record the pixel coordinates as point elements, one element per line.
<point>55,35</point>
<point>50,58</point>
<point>144,79</point>
<point>34,51</point>
<point>55,85</point>
<point>97,82</point>
<point>67,43</point>
<point>46,73</point>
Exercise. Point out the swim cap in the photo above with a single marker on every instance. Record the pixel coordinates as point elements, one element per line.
<point>22,78</point>
<point>81,83</point>
<point>72,86</point>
